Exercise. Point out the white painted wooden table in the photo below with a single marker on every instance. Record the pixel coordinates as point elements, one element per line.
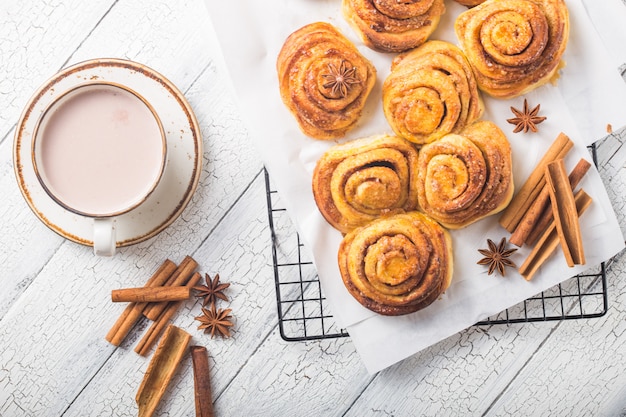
<point>55,295</point>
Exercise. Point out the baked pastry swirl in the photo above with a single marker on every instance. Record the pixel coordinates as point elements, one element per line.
<point>465,177</point>
<point>430,92</point>
<point>324,80</point>
<point>358,181</point>
<point>391,25</point>
<point>514,46</point>
<point>397,265</point>
<point>470,3</point>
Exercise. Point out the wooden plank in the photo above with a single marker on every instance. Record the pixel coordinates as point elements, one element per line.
<point>318,378</point>
<point>461,375</point>
<point>580,368</point>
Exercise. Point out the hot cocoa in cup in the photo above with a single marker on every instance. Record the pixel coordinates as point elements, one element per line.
<point>99,150</point>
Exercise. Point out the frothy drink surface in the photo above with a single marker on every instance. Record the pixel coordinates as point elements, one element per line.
<point>101,150</point>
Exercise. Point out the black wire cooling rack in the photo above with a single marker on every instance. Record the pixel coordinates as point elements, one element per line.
<point>303,313</point>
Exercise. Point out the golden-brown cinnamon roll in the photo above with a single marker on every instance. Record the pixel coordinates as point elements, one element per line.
<point>391,25</point>
<point>430,92</point>
<point>514,46</point>
<point>465,177</point>
<point>356,182</point>
<point>470,3</point>
<point>397,265</point>
<point>324,80</point>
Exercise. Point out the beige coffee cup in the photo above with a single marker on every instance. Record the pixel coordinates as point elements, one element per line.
<point>99,150</point>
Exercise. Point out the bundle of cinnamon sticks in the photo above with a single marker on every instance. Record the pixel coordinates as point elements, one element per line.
<point>545,211</point>
<point>158,300</point>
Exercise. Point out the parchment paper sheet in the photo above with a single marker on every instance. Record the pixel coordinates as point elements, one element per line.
<point>589,95</point>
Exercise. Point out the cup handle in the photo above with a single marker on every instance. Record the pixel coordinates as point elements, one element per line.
<point>103,237</point>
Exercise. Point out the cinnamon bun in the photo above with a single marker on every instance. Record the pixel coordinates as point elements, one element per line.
<point>430,92</point>
<point>397,265</point>
<point>465,177</point>
<point>391,25</point>
<point>514,46</point>
<point>470,3</point>
<point>324,80</point>
<point>359,181</point>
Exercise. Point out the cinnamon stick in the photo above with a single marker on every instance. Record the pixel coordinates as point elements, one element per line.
<point>154,331</point>
<point>529,191</point>
<point>150,294</point>
<point>178,278</point>
<point>550,240</point>
<point>133,311</point>
<point>202,382</point>
<point>539,215</point>
<point>161,369</point>
<point>547,216</point>
<point>564,210</point>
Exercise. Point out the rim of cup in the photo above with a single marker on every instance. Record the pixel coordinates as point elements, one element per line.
<point>66,95</point>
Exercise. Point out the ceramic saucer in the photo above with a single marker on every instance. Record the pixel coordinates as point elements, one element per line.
<point>184,156</point>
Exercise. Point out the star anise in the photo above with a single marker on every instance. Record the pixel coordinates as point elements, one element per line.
<point>527,119</point>
<point>497,256</point>
<point>212,290</point>
<point>341,79</point>
<point>215,322</point>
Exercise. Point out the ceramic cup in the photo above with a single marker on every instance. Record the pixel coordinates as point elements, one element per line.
<point>99,150</point>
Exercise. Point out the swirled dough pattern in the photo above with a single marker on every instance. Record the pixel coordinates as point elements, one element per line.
<point>465,177</point>
<point>514,46</point>
<point>324,80</point>
<point>397,265</point>
<point>359,181</point>
<point>391,25</point>
<point>430,92</point>
<point>470,3</point>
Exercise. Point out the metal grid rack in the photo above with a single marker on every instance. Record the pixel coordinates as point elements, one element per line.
<point>303,313</point>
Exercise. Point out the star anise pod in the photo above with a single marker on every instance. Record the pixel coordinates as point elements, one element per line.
<point>527,119</point>
<point>212,290</point>
<point>341,79</point>
<point>497,256</point>
<point>215,322</point>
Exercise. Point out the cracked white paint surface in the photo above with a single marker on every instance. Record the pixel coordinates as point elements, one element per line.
<point>55,295</point>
